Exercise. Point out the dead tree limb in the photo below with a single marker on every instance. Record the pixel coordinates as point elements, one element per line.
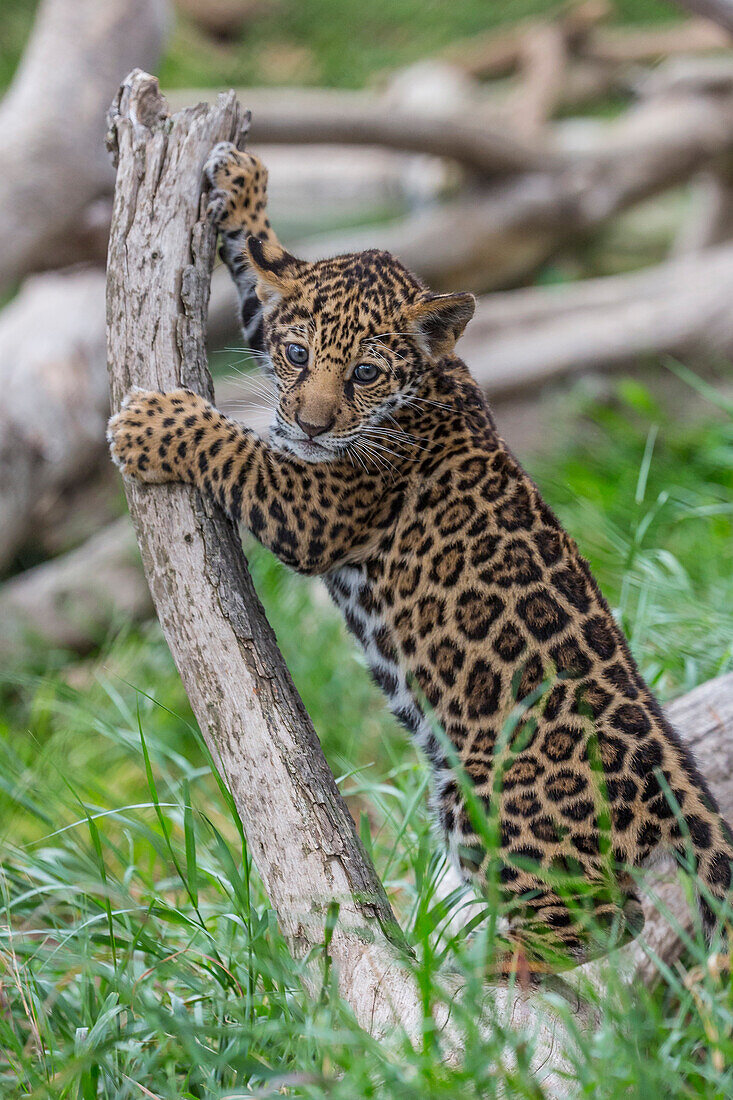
<point>51,132</point>
<point>249,711</point>
<point>498,52</point>
<point>305,116</point>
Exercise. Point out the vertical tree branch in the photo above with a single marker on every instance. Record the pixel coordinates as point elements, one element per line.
<point>298,827</point>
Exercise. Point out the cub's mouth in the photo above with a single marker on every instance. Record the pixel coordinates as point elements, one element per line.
<point>310,450</point>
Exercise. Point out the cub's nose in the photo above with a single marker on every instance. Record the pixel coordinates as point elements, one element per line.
<point>312,430</point>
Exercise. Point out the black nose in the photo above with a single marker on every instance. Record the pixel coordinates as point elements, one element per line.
<point>312,430</point>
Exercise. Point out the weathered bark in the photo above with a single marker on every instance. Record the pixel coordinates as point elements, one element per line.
<point>51,122</point>
<point>253,720</point>
<point>73,600</point>
<point>54,404</point>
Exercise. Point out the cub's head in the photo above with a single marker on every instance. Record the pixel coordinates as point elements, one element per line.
<point>348,341</point>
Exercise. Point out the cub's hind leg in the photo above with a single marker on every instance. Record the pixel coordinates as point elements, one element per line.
<point>553,932</point>
<point>238,209</point>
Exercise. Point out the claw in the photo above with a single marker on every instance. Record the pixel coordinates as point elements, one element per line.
<point>217,158</point>
<point>217,206</point>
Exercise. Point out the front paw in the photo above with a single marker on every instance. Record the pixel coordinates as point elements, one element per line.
<point>239,188</point>
<point>153,435</point>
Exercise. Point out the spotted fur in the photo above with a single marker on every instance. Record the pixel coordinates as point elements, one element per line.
<point>480,620</point>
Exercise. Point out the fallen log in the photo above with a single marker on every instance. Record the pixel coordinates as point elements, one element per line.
<point>524,338</point>
<point>307,116</point>
<point>54,405</point>
<point>73,601</point>
<point>718,11</point>
<point>498,52</point>
<point>497,234</point>
<point>51,124</point>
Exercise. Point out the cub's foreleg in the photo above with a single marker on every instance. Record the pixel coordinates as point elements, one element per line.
<point>179,436</point>
<point>238,209</point>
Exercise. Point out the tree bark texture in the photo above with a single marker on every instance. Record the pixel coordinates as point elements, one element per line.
<point>524,338</point>
<point>160,254</point>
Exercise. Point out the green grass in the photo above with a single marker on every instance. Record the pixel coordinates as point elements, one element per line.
<point>137,948</point>
<point>341,43</point>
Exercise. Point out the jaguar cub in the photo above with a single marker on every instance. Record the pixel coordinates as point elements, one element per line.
<point>555,772</point>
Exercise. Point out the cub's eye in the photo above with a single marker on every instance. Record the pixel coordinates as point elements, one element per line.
<point>365,373</point>
<point>297,354</point>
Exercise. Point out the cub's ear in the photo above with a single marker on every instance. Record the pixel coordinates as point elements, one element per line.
<point>441,318</point>
<point>277,271</point>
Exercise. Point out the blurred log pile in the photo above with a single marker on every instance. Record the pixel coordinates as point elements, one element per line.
<point>498,156</point>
